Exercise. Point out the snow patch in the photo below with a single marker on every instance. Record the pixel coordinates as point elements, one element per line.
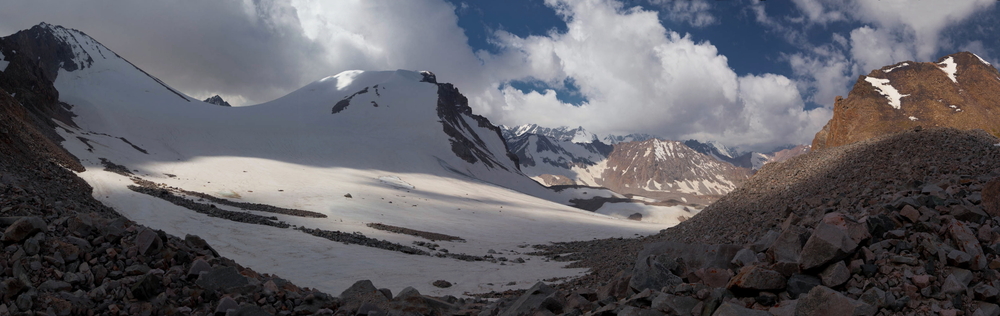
<point>981,59</point>
<point>3,63</point>
<point>949,68</point>
<point>895,67</point>
<point>669,215</point>
<point>913,118</point>
<point>884,88</point>
<point>396,182</point>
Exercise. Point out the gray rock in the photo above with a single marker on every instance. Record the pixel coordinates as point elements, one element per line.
<point>250,310</point>
<point>824,301</point>
<point>115,229</point>
<point>655,272</point>
<point>744,257</point>
<point>785,308</point>
<point>835,274</point>
<point>988,309</point>
<point>900,203</point>
<point>148,287</point>
<point>675,305</point>
<point>659,264</point>
<point>800,284</point>
<point>985,292</point>
<point>788,245</point>
<point>25,301</point>
<point>826,244</point>
<point>409,301</point>
<point>23,228</point>
<point>730,309</point>
<point>137,269</point>
<point>359,288</point>
<point>874,297</point>
<point>757,278</point>
<point>530,301</point>
<point>32,245</point>
<point>197,267</point>
<point>54,286</point>
<point>222,278</point>
<point>147,240</point>
<point>765,241</point>
<point>226,304</point>
<point>970,213</point>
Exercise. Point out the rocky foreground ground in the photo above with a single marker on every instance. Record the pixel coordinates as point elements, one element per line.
<point>900,225</point>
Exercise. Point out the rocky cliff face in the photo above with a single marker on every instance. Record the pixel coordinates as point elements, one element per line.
<point>959,90</point>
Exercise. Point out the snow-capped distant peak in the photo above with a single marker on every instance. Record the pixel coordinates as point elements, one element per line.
<point>562,133</point>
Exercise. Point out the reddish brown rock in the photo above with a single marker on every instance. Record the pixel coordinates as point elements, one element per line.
<point>931,99</point>
<point>991,197</point>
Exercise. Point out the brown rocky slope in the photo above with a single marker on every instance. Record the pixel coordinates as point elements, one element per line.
<point>899,224</point>
<point>927,97</point>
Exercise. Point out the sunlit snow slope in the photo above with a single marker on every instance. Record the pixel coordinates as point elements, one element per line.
<point>396,161</point>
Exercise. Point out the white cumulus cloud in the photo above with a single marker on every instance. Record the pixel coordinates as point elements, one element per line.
<point>640,77</point>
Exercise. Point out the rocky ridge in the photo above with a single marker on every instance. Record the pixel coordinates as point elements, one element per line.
<point>959,90</point>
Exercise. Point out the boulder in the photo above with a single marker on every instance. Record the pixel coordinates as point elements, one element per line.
<point>147,240</point>
<point>745,257</point>
<point>757,278</point>
<point>222,278</point>
<point>799,284</point>
<point>148,287</point>
<point>730,309</point>
<point>674,305</point>
<point>835,274</point>
<point>787,247</point>
<point>968,243</point>
<point>824,301</point>
<point>827,243</point>
<point>714,277</point>
<point>23,228</point>
<point>530,301</point>
<point>410,301</point>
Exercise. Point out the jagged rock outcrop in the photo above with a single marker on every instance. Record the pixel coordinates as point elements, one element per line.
<point>959,90</point>
<point>217,100</point>
<point>455,113</point>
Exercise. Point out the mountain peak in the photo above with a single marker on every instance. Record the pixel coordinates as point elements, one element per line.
<point>958,90</point>
<point>217,100</point>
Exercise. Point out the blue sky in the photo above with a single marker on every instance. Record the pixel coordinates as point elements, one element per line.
<point>749,73</point>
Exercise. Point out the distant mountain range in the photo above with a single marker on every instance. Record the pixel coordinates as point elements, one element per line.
<point>691,171</point>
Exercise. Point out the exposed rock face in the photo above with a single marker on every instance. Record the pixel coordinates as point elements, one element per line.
<point>455,113</point>
<point>217,100</point>
<point>959,90</point>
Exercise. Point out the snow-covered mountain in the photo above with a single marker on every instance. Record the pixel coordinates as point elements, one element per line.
<point>560,134</point>
<point>612,139</point>
<point>357,148</point>
<point>675,172</point>
<point>668,170</point>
